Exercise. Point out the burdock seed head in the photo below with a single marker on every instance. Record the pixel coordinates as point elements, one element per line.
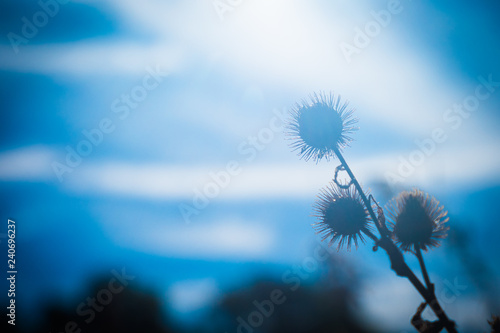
<point>417,221</point>
<point>320,127</point>
<point>343,216</point>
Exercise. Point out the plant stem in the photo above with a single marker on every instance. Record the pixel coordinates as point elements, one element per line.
<point>398,263</point>
<point>418,253</point>
<point>371,235</point>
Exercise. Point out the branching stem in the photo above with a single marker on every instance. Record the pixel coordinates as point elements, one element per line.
<point>398,263</point>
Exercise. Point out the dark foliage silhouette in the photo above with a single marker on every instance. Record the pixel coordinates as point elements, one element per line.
<point>130,311</point>
<point>329,305</point>
<point>318,129</point>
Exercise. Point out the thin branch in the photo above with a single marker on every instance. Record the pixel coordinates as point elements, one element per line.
<point>371,235</point>
<point>358,187</point>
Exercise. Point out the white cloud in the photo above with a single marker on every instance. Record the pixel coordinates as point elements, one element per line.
<point>31,163</point>
<point>448,166</point>
<point>92,57</point>
<point>231,239</point>
<point>164,181</point>
<point>469,161</point>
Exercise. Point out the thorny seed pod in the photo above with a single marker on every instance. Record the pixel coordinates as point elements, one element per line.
<point>417,221</point>
<point>320,126</point>
<point>343,216</point>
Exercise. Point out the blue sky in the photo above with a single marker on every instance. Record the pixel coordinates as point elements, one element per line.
<point>205,83</point>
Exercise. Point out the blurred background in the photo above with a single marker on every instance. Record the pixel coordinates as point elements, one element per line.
<point>144,160</point>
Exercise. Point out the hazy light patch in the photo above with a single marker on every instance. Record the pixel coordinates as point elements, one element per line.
<point>27,163</point>
<point>470,311</point>
<point>191,295</point>
<point>294,46</point>
<point>390,301</point>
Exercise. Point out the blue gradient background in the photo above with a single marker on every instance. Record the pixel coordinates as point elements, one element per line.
<point>121,206</point>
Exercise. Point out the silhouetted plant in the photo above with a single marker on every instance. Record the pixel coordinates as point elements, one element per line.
<point>317,131</point>
<point>417,221</point>
<point>319,128</point>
